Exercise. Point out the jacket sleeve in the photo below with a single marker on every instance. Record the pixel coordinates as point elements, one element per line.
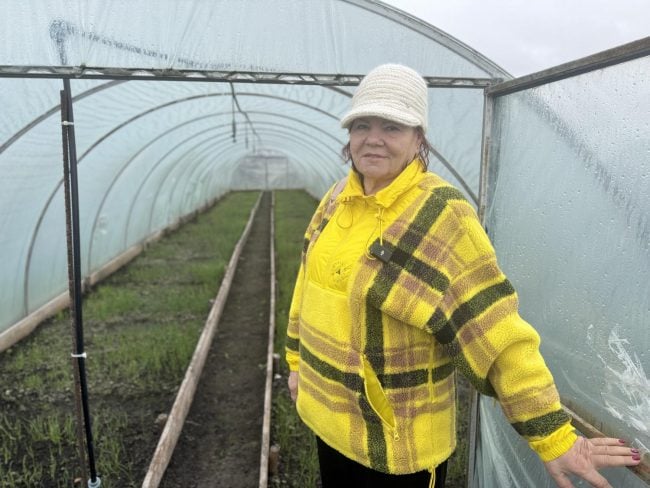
<point>292,342</point>
<point>493,346</point>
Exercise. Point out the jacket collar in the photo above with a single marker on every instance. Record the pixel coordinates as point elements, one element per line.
<point>409,177</point>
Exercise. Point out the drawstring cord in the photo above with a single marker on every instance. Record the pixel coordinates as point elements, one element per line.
<point>432,481</point>
<point>380,220</point>
<point>346,207</point>
<point>347,210</point>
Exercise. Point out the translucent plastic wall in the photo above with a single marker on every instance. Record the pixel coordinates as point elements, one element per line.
<point>297,36</point>
<point>569,217</point>
<point>151,152</point>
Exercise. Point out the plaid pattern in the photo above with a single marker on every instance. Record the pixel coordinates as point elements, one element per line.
<point>384,394</point>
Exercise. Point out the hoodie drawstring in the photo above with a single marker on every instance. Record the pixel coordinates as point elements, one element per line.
<point>380,220</point>
<point>346,208</point>
<point>432,480</point>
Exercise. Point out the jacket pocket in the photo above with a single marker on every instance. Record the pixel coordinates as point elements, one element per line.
<point>376,396</point>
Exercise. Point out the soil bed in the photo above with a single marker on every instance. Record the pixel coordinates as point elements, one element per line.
<point>220,442</point>
<point>141,327</point>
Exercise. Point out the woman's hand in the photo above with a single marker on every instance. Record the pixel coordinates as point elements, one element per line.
<point>293,385</point>
<point>587,456</point>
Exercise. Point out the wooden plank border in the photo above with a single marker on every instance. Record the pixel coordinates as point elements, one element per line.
<point>268,390</point>
<point>25,326</point>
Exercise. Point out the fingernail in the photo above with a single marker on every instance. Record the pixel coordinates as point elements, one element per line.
<point>636,457</point>
<point>634,451</point>
<point>622,441</point>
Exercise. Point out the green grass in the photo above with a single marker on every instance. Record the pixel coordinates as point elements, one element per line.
<point>141,327</point>
<point>298,459</point>
<point>299,463</point>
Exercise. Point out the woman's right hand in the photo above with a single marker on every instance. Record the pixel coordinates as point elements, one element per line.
<point>293,385</point>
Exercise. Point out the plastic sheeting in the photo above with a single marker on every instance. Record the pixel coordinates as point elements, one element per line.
<point>152,151</point>
<point>327,36</point>
<point>569,219</point>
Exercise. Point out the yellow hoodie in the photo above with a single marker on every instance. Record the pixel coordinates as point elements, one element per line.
<point>396,292</point>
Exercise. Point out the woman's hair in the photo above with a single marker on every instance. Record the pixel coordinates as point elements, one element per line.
<point>423,151</point>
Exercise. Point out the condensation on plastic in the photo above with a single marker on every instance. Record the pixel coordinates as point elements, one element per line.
<point>151,152</point>
<point>328,36</point>
<point>569,219</point>
<point>504,460</point>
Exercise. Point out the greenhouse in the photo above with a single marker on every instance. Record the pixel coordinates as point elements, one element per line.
<point>168,107</point>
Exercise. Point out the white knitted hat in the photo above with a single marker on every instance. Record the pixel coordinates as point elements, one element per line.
<point>393,92</point>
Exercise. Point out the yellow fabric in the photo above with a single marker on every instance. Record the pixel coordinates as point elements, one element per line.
<point>376,344</point>
<point>355,224</point>
<point>556,444</point>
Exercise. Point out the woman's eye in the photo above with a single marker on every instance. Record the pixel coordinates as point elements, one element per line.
<point>360,126</point>
<point>391,128</point>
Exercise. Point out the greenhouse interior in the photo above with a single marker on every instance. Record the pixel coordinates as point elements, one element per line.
<point>177,104</point>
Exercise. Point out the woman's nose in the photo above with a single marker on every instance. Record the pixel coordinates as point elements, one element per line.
<point>374,136</point>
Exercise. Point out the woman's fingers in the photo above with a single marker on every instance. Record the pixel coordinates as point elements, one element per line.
<point>586,456</point>
<point>607,451</point>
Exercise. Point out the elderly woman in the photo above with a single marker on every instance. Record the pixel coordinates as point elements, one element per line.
<point>398,290</point>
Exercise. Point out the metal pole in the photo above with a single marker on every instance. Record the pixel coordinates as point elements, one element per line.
<point>68,234</point>
<point>72,210</point>
<point>486,140</point>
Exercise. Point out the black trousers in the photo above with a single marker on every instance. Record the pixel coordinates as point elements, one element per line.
<point>337,471</point>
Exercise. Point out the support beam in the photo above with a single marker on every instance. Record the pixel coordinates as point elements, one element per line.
<point>277,78</point>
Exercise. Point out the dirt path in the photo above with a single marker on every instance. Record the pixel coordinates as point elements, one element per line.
<point>220,442</point>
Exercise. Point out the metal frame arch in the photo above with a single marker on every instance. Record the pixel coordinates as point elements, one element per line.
<point>164,133</point>
<point>160,107</point>
<point>310,148</point>
<point>294,119</point>
<point>420,26</point>
<point>151,110</point>
<point>123,124</point>
<point>290,100</point>
<point>54,110</point>
<point>196,97</point>
<point>444,161</point>
<point>306,134</point>
<point>128,163</point>
<point>172,167</point>
<point>60,182</point>
<point>440,158</point>
<point>148,175</point>
<point>316,170</point>
<point>217,143</point>
<point>324,170</point>
<point>210,167</point>
<point>151,171</point>
<point>61,29</point>
<point>307,137</point>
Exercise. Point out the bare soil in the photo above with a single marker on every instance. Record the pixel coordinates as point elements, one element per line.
<point>220,443</point>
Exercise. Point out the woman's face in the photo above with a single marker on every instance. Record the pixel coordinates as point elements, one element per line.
<point>381,149</point>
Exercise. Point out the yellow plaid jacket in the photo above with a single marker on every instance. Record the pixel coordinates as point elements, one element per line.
<point>431,301</point>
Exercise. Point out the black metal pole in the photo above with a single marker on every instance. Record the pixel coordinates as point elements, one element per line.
<point>81,446</point>
<point>76,291</point>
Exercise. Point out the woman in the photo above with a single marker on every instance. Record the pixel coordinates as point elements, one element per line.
<point>398,289</point>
